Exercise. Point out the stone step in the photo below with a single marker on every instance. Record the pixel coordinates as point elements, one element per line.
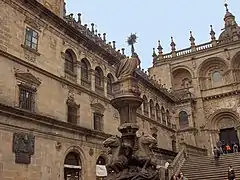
<point>211,164</point>
<point>204,168</point>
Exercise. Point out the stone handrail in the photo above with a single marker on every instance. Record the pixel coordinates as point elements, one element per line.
<point>177,163</point>
<point>185,152</point>
<point>194,151</point>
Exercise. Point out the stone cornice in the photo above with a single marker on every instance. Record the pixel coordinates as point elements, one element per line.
<point>218,96</point>
<point>50,122</point>
<point>163,92</point>
<point>59,23</point>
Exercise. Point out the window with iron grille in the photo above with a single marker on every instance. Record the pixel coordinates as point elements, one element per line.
<point>26,98</point>
<point>97,121</point>
<point>72,114</point>
<point>31,39</point>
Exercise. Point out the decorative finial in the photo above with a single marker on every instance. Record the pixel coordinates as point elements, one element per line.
<point>64,9</point>
<point>192,39</point>
<point>132,39</point>
<point>159,47</point>
<point>99,35</point>
<point>226,5</point>
<point>114,45</point>
<point>154,53</point>
<point>92,27</point>
<point>123,49</point>
<point>96,32</point>
<point>79,19</point>
<point>104,37</point>
<point>173,45</point>
<point>212,33</point>
<point>85,25</point>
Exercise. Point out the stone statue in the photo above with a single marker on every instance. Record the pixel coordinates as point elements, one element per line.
<point>118,161</point>
<point>127,66</point>
<point>144,153</point>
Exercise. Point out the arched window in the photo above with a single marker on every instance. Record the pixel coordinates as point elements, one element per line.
<point>158,112</point>
<point>163,115</point>
<point>183,119</point>
<point>84,70</point>
<point>98,77</point>
<point>216,78</point>
<point>72,166</point>
<point>152,112</point>
<point>145,105</point>
<point>109,84</point>
<point>69,61</point>
<point>101,171</point>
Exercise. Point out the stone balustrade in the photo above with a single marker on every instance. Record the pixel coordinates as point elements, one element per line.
<point>187,51</point>
<point>185,152</point>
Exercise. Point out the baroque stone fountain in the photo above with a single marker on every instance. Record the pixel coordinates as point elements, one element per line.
<point>131,155</point>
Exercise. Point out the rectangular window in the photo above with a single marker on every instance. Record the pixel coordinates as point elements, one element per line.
<point>31,39</point>
<point>72,114</point>
<point>97,121</point>
<point>26,99</point>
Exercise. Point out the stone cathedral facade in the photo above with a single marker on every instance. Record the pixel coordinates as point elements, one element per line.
<point>56,77</point>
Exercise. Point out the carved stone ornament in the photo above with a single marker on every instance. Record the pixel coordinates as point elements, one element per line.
<point>23,147</point>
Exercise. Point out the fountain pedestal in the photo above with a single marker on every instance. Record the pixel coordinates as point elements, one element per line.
<point>131,155</point>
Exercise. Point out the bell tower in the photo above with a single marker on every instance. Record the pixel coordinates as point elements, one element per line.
<point>56,6</point>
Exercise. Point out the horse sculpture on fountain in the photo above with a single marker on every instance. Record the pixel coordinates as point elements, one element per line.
<point>136,166</point>
<point>118,161</point>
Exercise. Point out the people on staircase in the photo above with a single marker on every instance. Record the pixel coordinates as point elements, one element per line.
<point>174,177</point>
<point>235,148</point>
<point>231,173</point>
<point>216,153</point>
<point>219,146</point>
<point>228,149</point>
<point>181,176</point>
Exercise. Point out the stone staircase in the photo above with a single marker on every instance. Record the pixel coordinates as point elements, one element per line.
<point>204,168</point>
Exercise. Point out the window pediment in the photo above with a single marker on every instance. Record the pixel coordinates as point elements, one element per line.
<point>98,107</point>
<point>28,78</point>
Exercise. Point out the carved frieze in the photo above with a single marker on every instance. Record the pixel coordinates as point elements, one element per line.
<point>23,147</point>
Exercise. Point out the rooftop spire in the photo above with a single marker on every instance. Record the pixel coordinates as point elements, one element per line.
<point>226,5</point>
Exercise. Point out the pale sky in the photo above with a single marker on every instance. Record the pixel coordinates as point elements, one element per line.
<point>154,20</point>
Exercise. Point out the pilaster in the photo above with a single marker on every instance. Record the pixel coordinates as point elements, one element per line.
<point>92,76</point>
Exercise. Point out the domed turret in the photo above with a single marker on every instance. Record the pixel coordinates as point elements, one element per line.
<point>231,28</point>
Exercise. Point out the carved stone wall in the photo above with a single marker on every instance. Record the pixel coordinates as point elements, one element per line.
<point>44,70</point>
